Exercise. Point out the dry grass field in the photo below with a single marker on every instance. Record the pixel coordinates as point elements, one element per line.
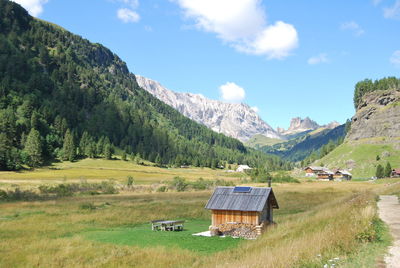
<point>317,222</point>
<point>100,170</point>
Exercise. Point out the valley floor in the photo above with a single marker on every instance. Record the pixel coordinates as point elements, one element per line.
<point>318,223</point>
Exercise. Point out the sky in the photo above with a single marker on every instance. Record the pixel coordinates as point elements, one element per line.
<point>284,58</point>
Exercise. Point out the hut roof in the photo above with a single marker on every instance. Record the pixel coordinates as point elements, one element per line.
<point>226,198</point>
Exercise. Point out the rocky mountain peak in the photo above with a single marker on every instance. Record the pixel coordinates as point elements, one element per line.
<point>236,120</point>
<point>298,125</point>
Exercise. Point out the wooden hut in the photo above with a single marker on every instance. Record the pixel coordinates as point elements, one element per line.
<point>248,205</point>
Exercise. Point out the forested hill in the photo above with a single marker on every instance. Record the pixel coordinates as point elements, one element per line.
<point>64,97</point>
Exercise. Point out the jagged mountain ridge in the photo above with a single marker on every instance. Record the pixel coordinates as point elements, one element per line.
<point>232,119</point>
<point>299,125</point>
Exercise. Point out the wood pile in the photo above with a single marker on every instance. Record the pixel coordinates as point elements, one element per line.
<point>243,230</point>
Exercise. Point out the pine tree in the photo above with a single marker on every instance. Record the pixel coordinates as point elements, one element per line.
<point>69,150</point>
<point>107,151</point>
<point>388,170</point>
<point>158,160</point>
<point>33,148</point>
<point>84,144</point>
<point>380,173</point>
<point>123,156</point>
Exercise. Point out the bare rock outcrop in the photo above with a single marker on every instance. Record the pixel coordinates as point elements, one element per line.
<point>378,115</point>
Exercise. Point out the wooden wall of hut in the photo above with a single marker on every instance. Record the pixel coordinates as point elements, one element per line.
<point>224,216</point>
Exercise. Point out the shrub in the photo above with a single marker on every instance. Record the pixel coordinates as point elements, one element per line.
<point>201,184</point>
<point>162,189</point>
<point>179,184</point>
<point>129,181</point>
<point>88,206</point>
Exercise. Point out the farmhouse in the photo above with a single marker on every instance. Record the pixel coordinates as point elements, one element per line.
<point>312,171</point>
<point>242,168</point>
<point>325,174</point>
<point>252,206</point>
<point>342,174</point>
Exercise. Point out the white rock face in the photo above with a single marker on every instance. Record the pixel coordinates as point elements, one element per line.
<point>298,125</point>
<point>235,120</point>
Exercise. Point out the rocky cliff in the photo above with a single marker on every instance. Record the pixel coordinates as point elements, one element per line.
<point>232,119</point>
<point>298,125</point>
<point>377,115</point>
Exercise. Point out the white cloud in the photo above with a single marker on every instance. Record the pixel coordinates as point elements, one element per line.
<point>127,15</point>
<point>132,3</point>
<point>34,7</point>
<point>392,12</point>
<point>354,27</point>
<point>321,58</point>
<point>243,25</point>
<point>230,92</point>
<point>376,2</point>
<point>395,58</point>
<point>255,109</point>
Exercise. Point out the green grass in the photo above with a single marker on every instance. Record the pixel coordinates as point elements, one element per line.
<point>364,156</point>
<point>143,236</point>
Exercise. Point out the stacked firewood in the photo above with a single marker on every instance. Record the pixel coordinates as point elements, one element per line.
<point>243,230</point>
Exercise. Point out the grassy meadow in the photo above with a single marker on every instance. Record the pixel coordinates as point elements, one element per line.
<point>101,169</point>
<point>317,222</point>
<point>361,156</point>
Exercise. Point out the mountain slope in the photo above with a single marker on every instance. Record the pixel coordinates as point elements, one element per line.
<point>234,120</point>
<point>374,136</point>
<point>301,147</point>
<point>61,95</point>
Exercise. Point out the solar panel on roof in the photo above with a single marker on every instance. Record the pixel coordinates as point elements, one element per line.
<point>241,189</point>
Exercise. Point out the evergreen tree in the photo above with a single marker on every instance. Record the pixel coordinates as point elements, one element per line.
<point>69,150</point>
<point>388,170</point>
<point>158,160</point>
<point>380,172</point>
<point>84,144</point>
<point>107,151</point>
<point>33,148</point>
<point>123,156</point>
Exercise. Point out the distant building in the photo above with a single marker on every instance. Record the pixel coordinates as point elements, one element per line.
<point>312,171</point>
<point>342,174</point>
<point>247,205</point>
<point>325,174</point>
<point>396,172</point>
<point>242,168</point>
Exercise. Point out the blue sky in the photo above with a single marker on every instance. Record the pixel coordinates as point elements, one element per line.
<point>288,58</point>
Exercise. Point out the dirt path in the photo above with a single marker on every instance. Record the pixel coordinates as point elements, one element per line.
<point>389,212</point>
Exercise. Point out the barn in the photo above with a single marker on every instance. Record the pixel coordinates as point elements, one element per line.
<point>247,205</point>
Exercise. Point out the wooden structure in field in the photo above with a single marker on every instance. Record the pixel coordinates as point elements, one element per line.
<point>248,205</point>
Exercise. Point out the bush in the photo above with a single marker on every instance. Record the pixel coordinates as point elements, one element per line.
<point>19,195</point>
<point>281,178</point>
<point>179,184</point>
<point>88,206</point>
<point>162,189</point>
<point>129,181</point>
<point>201,184</point>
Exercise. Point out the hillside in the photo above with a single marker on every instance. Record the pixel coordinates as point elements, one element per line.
<point>62,97</point>
<point>301,147</point>
<point>258,141</point>
<point>374,136</point>
<point>361,156</point>
<point>235,120</point>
